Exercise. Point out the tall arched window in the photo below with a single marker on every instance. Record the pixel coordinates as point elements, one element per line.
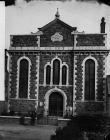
<point>23,78</point>
<point>89,80</point>
<point>48,74</point>
<point>56,72</point>
<point>64,75</point>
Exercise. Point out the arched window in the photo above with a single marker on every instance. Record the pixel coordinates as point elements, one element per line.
<point>89,80</point>
<point>64,75</point>
<point>23,78</point>
<point>48,74</point>
<point>56,72</point>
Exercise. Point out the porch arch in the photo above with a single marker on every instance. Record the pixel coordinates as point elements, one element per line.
<point>46,98</point>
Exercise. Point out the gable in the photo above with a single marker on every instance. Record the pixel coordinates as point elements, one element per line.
<point>56,20</point>
<point>56,34</point>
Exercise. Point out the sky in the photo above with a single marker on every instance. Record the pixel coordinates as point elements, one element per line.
<point>23,17</point>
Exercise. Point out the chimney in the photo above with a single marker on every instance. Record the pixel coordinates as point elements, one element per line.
<point>102,25</point>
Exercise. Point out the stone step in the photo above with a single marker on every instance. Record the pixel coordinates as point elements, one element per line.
<point>51,120</point>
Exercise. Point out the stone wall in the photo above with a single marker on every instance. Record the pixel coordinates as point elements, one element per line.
<point>17,105</point>
<point>38,89</point>
<point>14,74</point>
<point>24,41</point>
<point>78,76</point>
<point>90,40</point>
<point>100,93</point>
<point>65,57</point>
<point>90,107</point>
<point>62,30</point>
<point>68,90</point>
<point>33,82</point>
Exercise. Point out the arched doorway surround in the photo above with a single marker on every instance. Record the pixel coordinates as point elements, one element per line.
<point>53,93</point>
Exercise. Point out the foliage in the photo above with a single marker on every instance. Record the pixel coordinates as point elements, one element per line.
<point>78,125</point>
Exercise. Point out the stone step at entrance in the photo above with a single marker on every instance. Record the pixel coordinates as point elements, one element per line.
<point>50,120</point>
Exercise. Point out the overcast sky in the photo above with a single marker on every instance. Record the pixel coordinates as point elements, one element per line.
<point>24,18</point>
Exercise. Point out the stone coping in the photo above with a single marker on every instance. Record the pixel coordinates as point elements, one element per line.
<point>63,119</point>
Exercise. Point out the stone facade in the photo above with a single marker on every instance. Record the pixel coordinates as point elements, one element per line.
<point>90,40</point>
<point>24,41</point>
<point>100,90</point>
<point>13,84</point>
<point>57,41</point>
<point>64,30</point>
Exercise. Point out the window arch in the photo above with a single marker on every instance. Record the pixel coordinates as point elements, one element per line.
<point>48,74</point>
<point>23,76</point>
<point>64,75</point>
<point>56,72</point>
<point>89,80</point>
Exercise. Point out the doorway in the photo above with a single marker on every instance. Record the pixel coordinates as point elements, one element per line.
<point>56,104</point>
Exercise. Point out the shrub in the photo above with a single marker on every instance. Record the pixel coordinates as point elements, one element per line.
<point>78,126</point>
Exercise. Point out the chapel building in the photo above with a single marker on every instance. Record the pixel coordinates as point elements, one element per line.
<point>58,70</point>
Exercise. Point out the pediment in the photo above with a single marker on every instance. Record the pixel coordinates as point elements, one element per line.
<point>57,22</point>
<point>57,33</point>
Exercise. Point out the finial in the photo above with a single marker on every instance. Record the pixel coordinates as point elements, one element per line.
<point>102,25</point>
<point>57,15</point>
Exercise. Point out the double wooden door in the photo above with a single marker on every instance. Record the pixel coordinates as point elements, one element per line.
<point>55,104</point>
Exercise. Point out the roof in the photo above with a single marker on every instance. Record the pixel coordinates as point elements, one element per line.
<point>57,20</point>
